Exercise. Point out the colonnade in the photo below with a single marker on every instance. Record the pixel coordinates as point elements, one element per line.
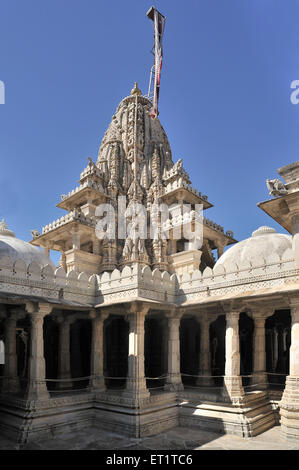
<point>136,386</point>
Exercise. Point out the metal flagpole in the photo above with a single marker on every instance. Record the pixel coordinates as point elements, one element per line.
<point>159,25</point>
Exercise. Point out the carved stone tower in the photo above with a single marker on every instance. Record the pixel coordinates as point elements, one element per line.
<point>134,162</point>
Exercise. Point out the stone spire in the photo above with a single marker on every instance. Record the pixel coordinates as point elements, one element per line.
<point>137,136</point>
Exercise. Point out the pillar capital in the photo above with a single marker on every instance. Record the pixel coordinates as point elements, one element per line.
<point>98,315</point>
<point>175,313</point>
<point>204,318</point>
<point>232,307</point>
<point>295,314</point>
<point>292,300</point>
<point>65,319</point>
<point>137,309</point>
<point>3,311</point>
<point>232,318</point>
<point>44,309</point>
<point>259,322</point>
<point>13,315</point>
<point>40,309</point>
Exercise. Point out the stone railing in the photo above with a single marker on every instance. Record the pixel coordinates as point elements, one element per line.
<point>257,274</point>
<point>87,184</point>
<point>137,281</point>
<point>181,183</point>
<point>18,278</point>
<point>70,217</point>
<point>31,280</point>
<point>90,170</point>
<point>189,217</point>
<point>215,226</point>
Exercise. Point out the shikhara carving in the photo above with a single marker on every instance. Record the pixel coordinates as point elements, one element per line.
<point>134,163</point>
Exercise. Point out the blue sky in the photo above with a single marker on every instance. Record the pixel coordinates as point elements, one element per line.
<point>224,103</point>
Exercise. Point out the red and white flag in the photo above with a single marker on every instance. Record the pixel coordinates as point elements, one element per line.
<point>159,24</point>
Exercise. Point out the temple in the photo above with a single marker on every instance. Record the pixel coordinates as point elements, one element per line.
<point>139,332</point>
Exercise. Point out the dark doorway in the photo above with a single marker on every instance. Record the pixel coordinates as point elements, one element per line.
<point>154,351</point>
<point>217,348</point>
<point>189,349</point>
<point>116,348</point>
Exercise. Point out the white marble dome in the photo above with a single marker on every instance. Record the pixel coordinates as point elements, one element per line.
<point>263,242</point>
<point>15,248</point>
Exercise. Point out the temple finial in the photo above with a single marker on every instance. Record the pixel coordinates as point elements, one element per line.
<point>135,90</point>
<point>3,225</point>
<point>4,230</point>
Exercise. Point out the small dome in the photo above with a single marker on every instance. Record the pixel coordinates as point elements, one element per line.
<point>263,242</point>
<point>15,248</point>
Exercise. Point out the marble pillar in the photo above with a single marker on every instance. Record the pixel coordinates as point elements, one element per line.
<point>232,388</point>
<point>289,405</point>
<point>97,381</point>
<point>259,376</point>
<point>174,379</point>
<point>136,383</point>
<point>37,388</point>
<point>11,382</point>
<point>205,354</point>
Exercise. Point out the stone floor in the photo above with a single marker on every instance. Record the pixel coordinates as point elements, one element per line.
<point>179,438</point>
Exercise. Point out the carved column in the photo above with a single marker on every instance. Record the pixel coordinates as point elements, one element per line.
<point>295,239</point>
<point>220,244</point>
<point>204,355</point>
<point>11,382</point>
<point>76,240</point>
<point>62,261</point>
<point>280,350</point>
<point>37,388</point>
<point>164,325</point>
<point>259,353</point>
<point>232,381</point>
<point>136,383</point>
<point>289,405</point>
<point>97,381</point>
<point>64,362</point>
<point>174,379</point>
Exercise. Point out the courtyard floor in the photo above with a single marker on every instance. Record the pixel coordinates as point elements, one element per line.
<point>179,438</point>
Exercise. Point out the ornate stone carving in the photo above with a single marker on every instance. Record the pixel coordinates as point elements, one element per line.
<point>276,187</point>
